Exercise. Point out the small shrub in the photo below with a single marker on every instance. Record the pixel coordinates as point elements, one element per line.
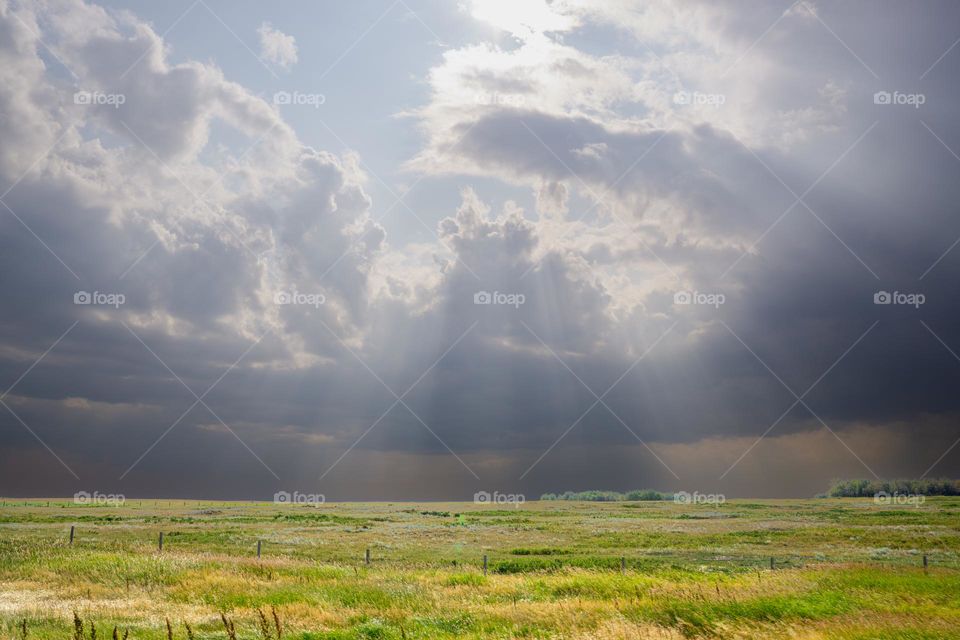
<point>470,579</point>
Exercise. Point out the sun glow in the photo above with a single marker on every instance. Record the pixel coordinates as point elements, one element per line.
<point>522,18</point>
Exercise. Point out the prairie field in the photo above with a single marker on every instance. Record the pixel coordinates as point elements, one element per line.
<point>841,568</point>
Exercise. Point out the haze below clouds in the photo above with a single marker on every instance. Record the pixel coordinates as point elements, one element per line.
<point>419,250</point>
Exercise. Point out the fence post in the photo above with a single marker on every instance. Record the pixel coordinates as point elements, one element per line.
<point>160,544</point>
<point>623,564</point>
<point>484,564</point>
<point>71,534</point>
<point>258,548</point>
<point>367,556</point>
<point>924,563</point>
<point>771,563</point>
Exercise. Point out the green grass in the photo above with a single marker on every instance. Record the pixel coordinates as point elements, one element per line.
<point>845,569</point>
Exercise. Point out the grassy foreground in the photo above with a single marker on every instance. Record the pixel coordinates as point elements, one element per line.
<point>844,568</point>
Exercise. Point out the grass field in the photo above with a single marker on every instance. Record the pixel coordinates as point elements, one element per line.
<point>844,568</point>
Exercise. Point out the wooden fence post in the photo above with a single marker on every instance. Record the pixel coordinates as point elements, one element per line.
<point>484,564</point>
<point>258,548</point>
<point>71,534</point>
<point>367,556</point>
<point>160,545</point>
<point>771,563</point>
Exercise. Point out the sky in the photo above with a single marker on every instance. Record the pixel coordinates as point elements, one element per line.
<point>421,249</point>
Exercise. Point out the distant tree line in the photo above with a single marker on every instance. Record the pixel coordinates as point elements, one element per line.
<point>839,489</point>
<point>870,488</point>
<point>608,496</point>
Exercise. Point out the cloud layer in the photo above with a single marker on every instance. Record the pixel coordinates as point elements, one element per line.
<point>691,297</point>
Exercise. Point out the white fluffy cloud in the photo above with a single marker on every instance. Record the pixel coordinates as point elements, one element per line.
<point>277,47</point>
